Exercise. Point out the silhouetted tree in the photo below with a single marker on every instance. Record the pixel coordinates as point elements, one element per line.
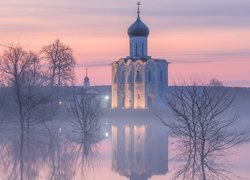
<point>21,72</point>
<point>61,63</point>
<point>203,130</point>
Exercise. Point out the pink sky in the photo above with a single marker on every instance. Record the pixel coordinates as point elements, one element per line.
<point>208,39</point>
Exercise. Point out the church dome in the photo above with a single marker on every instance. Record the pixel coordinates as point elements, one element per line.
<point>86,79</point>
<point>138,28</point>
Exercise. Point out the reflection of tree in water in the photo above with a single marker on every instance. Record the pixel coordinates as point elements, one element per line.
<point>7,163</point>
<point>84,118</point>
<point>60,159</point>
<point>204,130</point>
<point>33,153</point>
<point>53,149</point>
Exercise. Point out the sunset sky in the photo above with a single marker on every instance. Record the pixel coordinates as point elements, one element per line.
<point>201,38</point>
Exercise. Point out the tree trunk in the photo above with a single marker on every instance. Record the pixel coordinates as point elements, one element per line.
<point>21,150</point>
<point>203,154</point>
<point>53,76</point>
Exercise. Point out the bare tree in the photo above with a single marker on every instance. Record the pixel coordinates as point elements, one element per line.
<point>84,116</point>
<point>61,63</point>
<point>203,130</point>
<point>21,73</point>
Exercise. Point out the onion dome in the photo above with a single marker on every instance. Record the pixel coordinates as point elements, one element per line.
<point>138,28</point>
<point>86,79</point>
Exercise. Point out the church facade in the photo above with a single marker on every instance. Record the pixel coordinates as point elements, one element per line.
<point>138,80</point>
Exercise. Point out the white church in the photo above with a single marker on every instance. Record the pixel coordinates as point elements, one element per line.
<point>138,80</point>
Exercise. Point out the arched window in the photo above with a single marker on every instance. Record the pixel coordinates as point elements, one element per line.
<point>115,78</point>
<point>149,75</point>
<point>130,80</point>
<point>131,77</point>
<point>138,77</point>
<point>161,76</point>
<point>123,76</point>
<point>139,96</point>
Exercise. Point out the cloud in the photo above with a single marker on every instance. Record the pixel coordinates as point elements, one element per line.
<point>93,64</point>
<point>106,17</point>
<point>207,57</point>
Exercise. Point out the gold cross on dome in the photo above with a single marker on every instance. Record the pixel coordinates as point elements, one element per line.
<point>138,4</point>
<point>86,72</point>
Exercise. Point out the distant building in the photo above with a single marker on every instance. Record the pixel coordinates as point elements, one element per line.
<point>86,82</point>
<point>138,80</point>
<point>102,93</point>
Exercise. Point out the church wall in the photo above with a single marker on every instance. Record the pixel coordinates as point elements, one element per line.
<point>139,85</point>
<point>150,86</point>
<point>139,91</point>
<point>163,78</point>
<point>121,84</point>
<point>129,84</point>
<point>114,85</point>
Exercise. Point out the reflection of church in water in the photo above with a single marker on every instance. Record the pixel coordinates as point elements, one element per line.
<point>139,142</point>
<point>139,150</point>
<point>138,80</point>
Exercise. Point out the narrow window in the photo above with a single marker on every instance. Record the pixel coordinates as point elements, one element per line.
<point>130,77</point>
<point>136,49</point>
<point>123,76</point>
<point>161,76</point>
<point>149,76</point>
<point>130,48</point>
<point>115,78</point>
<point>137,76</point>
<point>142,49</point>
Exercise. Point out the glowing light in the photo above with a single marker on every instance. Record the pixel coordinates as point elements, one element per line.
<point>106,134</point>
<point>60,102</point>
<point>106,97</point>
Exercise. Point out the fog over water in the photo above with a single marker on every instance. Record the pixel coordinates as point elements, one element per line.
<point>130,144</point>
